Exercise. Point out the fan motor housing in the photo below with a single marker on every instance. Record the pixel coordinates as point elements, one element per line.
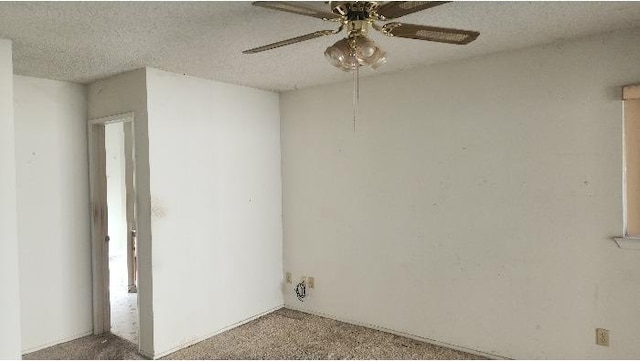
<point>354,10</point>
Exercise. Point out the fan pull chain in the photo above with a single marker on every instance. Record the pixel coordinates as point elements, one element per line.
<point>356,79</point>
<point>356,94</point>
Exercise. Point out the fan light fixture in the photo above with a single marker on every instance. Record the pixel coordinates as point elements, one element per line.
<point>352,52</point>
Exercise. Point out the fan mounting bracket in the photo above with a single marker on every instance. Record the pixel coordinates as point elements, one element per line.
<point>355,10</point>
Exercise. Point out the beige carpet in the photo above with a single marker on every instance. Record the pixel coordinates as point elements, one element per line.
<point>103,347</point>
<point>124,315</point>
<point>124,305</point>
<point>283,334</point>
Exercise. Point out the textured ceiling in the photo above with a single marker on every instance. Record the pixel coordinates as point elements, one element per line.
<point>86,41</point>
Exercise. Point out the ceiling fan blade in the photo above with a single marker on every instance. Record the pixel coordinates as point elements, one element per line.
<point>297,39</point>
<point>430,33</point>
<point>296,8</point>
<point>396,9</point>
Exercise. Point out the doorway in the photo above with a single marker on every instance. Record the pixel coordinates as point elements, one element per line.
<point>113,199</point>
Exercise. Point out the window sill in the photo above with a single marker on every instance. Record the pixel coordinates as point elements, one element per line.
<point>628,242</point>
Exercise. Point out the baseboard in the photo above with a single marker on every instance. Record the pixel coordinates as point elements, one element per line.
<point>59,341</point>
<point>399,333</point>
<point>316,313</point>
<point>226,328</point>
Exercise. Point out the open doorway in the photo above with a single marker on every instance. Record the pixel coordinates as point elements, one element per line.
<point>113,199</point>
<point>121,228</point>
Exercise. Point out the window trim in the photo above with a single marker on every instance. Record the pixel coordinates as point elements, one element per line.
<point>629,92</point>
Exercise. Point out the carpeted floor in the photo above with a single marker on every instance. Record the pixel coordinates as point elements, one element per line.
<point>124,305</point>
<point>102,347</point>
<point>283,334</point>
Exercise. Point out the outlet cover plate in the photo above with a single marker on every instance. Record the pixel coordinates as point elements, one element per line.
<point>602,337</point>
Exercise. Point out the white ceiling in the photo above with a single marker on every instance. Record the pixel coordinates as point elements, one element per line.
<point>86,41</point>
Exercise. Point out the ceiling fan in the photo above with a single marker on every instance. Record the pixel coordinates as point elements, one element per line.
<point>356,49</point>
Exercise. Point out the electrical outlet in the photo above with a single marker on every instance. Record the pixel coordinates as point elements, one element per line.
<point>602,337</point>
<point>288,277</point>
<point>310,282</point>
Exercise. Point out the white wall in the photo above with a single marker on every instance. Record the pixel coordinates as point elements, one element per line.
<point>127,92</point>
<point>53,211</point>
<point>9,301</point>
<point>474,203</point>
<point>216,201</point>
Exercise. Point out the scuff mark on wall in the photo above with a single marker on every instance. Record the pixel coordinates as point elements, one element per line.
<point>157,209</point>
<point>33,158</point>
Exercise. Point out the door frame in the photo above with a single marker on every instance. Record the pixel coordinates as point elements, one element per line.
<point>130,191</point>
<point>99,215</point>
